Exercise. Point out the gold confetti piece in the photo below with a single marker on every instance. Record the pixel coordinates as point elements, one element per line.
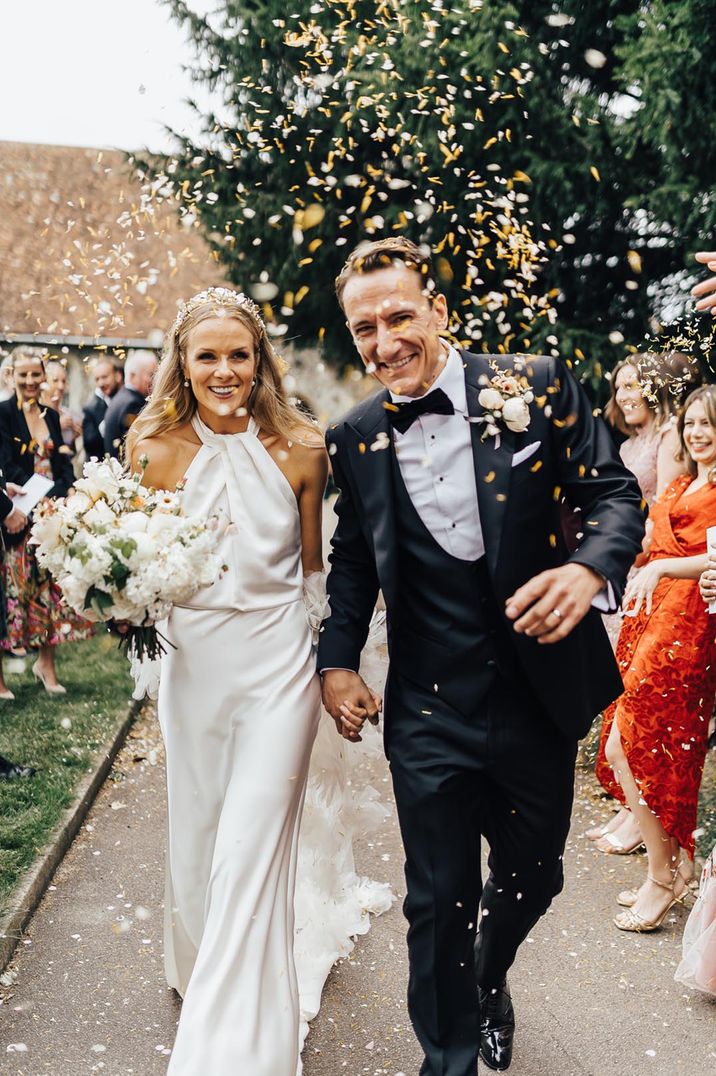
<point>595,172</point>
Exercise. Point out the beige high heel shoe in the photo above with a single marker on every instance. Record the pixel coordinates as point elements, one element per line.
<point>628,897</point>
<point>637,924</point>
<point>51,689</point>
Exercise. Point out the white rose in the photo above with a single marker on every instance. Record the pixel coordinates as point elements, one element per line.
<point>145,551</point>
<point>134,522</point>
<point>165,525</point>
<point>491,400</point>
<point>516,414</point>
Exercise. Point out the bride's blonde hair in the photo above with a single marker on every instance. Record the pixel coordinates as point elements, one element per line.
<point>172,402</point>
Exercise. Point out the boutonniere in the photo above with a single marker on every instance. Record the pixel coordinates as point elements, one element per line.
<point>506,399</point>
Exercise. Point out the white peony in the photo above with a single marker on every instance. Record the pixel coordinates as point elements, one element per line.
<point>101,480</point>
<point>491,400</point>
<point>516,414</point>
<point>77,503</point>
<point>47,532</point>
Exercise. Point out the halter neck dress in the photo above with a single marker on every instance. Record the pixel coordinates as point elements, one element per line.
<point>239,704</point>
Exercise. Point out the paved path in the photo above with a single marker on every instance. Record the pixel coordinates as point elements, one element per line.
<point>88,995</point>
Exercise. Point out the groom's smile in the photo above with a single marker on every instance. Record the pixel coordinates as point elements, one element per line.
<point>396,325</point>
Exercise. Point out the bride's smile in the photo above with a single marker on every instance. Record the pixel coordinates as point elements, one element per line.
<point>221,366</point>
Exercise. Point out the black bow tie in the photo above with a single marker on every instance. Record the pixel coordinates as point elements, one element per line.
<point>433,403</point>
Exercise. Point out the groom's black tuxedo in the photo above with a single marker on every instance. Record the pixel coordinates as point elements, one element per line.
<point>521,517</point>
<point>480,723</point>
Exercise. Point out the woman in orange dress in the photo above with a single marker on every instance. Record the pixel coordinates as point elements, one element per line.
<point>654,739</point>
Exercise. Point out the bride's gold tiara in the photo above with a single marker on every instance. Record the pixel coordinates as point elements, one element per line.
<point>220,297</point>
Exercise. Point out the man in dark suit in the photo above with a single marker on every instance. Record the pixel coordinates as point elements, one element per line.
<point>108,381</point>
<point>139,371</point>
<point>450,484</point>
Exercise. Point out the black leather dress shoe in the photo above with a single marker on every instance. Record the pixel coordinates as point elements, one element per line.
<point>497,1027</point>
<point>11,771</point>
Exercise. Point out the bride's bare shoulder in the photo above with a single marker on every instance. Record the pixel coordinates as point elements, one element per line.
<point>165,456</point>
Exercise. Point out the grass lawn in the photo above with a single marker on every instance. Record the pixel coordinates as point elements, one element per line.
<point>59,736</point>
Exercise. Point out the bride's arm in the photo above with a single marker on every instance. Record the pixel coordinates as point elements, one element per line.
<point>314,475</point>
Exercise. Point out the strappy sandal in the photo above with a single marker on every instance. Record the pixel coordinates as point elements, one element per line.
<point>633,922</point>
<point>628,897</point>
<point>617,847</point>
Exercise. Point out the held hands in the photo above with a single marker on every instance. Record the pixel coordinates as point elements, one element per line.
<point>349,701</point>
<point>640,589</point>
<point>705,292</point>
<point>707,582</point>
<point>552,603</point>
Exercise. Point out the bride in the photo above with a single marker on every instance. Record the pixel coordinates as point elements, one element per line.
<point>239,698</point>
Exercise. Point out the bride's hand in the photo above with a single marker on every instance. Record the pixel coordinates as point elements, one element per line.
<point>349,701</point>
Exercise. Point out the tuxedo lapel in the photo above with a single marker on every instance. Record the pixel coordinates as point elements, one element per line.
<point>493,462</point>
<point>370,453</point>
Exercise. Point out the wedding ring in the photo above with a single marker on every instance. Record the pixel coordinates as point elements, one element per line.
<point>556,612</point>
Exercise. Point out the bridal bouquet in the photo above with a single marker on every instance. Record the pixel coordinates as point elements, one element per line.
<point>120,551</point>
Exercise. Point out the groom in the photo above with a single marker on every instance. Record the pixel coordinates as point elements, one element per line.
<point>450,504</point>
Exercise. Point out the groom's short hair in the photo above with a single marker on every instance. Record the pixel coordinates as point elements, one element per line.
<point>382,254</point>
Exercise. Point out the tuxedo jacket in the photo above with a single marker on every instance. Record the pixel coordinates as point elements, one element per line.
<point>92,415</point>
<point>564,452</point>
<point>17,460</point>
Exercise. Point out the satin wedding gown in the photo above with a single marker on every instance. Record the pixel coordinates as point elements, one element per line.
<point>239,706</point>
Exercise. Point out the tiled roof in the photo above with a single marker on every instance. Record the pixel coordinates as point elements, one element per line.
<point>85,252</point>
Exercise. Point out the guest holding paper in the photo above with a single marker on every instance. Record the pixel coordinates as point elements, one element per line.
<point>31,445</point>
<point>654,738</point>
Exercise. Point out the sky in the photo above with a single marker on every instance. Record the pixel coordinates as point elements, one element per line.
<point>105,73</point>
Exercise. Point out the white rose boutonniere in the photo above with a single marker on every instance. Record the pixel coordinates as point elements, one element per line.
<point>506,399</point>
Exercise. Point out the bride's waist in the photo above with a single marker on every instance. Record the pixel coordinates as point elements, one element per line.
<point>228,604</point>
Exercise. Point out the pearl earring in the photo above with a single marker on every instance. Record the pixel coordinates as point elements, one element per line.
<point>187,382</point>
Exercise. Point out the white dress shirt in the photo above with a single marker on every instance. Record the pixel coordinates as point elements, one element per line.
<point>438,468</point>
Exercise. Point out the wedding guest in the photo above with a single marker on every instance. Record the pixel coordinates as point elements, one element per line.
<point>656,733</point>
<point>7,387</point>
<point>107,381</point>
<point>139,371</point>
<point>53,394</point>
<point>646,391</point>
<point>31,443</point>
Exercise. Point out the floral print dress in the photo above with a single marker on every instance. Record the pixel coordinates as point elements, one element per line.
<point>36,614</point>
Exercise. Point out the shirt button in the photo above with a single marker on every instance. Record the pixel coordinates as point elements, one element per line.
<point>441,478</point>
<point>454,524</point>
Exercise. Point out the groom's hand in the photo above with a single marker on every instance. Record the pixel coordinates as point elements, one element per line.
<point>349,701</point>
<point>552,603</point>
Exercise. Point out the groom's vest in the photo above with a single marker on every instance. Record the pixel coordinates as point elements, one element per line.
<point>446,632</point>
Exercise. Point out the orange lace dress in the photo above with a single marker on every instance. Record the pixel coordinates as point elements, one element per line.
<point>668,663</point>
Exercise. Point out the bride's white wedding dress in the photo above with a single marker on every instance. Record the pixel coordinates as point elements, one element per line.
<point>239,706</point>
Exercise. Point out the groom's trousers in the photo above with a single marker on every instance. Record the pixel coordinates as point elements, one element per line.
<point>504,772</point>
